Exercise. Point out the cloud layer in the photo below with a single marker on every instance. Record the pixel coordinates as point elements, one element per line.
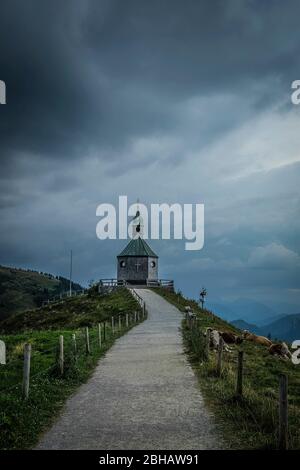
<point>164,101</point>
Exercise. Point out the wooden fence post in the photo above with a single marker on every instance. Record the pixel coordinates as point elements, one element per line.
<point>220,354</point>
<point>207,345</point>
<point>283,412</point>
<point>99,335</point>
<point>87,340</point>
<point>26,370</point>
<point>120,323</point>
<point>127,323</point>
<point>104,332</point>
<point>134,317</point>
<point>113,325</point>
<point>239,381</point>
<point>74,344</point>
<point>61,354</point>
<point>144,309</point>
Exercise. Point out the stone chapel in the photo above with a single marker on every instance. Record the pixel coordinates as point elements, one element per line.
<point>137,263</point>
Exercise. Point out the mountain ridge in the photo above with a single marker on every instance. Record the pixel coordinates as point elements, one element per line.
<point>252,311</point>
<point>286,328</point>
<point>24,289</point>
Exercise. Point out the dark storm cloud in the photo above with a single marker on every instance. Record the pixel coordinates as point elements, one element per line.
<point>166,100</point>
<point>48,100</point>
<point>82,75</point>
<point>203,44</point>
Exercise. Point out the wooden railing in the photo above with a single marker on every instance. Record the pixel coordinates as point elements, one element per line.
<point>138,298</point>
<point>165,283</point>
<point>107,285</point>
<point>111,282</point>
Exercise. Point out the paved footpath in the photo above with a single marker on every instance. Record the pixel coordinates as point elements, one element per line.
<point>142,395</point>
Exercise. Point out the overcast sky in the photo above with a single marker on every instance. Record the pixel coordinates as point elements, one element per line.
<point>168,101</point>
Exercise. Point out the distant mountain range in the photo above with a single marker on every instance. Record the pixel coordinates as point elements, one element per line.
<point>261,319</point>
<point>286,328</point>
<point>243,325</point>
<point>22,289</point>
<point>251,311</point>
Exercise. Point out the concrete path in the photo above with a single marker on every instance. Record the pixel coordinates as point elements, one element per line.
<point>142,395</point>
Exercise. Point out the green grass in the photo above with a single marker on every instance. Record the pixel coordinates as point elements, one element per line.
<point>250,422</point>
<point>74,312</point>
<point>22,289</point>
<point>22,421</point>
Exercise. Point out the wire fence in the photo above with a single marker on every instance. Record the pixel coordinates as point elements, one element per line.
<point>202,346</point>
<point>70,348</point>
<point>63,295</point>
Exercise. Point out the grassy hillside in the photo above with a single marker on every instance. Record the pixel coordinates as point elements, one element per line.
<point>22,421</point>
<point>74,312</point>
<point>24,289</point>
<point>251,422</point>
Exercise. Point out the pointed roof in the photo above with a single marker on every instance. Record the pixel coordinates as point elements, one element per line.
<point>138,247</point>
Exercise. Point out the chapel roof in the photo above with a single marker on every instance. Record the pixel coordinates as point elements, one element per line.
<point>138,247</point>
